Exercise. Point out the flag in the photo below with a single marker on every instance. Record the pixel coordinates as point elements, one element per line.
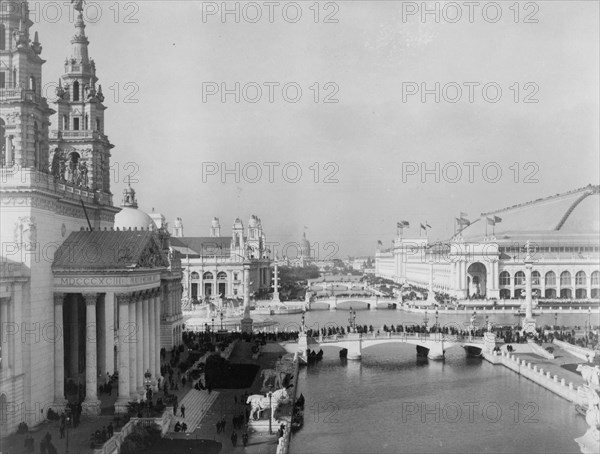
<point>497,219</point>
<point>490,221</point>
<point>406,223</point>
<point>379,243</point>
<point>423,227</point>
<point>427,225</point>
<point>399,225</point>
<point>463,215</point>
<point>461,221</point>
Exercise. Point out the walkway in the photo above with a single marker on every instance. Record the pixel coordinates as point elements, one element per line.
<point>197,403</point>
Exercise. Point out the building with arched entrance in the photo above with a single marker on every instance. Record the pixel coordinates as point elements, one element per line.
<point>485,260</point>
<point>217,268</point>
<point>72,285</point>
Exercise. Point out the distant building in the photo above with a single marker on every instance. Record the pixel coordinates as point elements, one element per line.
<point>486,258</point>
<point>231,267</point>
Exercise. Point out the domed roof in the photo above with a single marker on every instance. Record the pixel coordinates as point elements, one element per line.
<point>133,218</point>
<point>253,222</point>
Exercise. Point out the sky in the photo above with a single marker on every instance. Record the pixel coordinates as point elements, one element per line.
<point>347,170</point>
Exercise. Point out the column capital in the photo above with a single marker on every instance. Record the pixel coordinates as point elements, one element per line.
<point>123,298</point>
<point>90,298</point>
<point>59,298</point>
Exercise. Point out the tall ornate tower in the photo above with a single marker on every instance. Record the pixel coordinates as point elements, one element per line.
<point>41,201</point>
<point>25,113</point>
<point>79,148</point>
<point>215,228</point>
<point>237,239</point>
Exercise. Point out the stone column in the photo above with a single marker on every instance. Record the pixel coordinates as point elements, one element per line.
<point>146,322</point>
<point>133,338</point>
<point>91,404</point>
<point>59,352</point>
<point>74,336</point>
<point>123,301</point>
<point>139,319</point>
<point>9,150</point>
<point>157,345</point>
<point>246,286</point>
<point>4,320</point>
<point>101,341</point>
<point>588,282</point>
<point>152,343</point>
<point>109,338</point>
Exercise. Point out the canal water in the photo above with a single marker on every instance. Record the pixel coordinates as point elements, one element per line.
<point>392,402</point>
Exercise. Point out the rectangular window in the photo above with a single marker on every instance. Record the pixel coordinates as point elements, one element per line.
<point>76,124</point>
<point>2,79</point>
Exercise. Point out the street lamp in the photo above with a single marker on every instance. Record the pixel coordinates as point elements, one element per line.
<point>589,314</point>
<point>555,319</point>
<point>436,318</point>
<point>302,329</point>
<point>270,394</point>
<point>148,386</point>
<point>425,320</point>
<point>67,423</point>
<point>221,315</point>
<point>213,324</point>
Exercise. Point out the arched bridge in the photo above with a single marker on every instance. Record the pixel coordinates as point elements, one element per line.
<point>435,344</point>
<point>357,302</point>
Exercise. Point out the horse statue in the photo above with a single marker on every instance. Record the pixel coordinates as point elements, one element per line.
<point>260,402</point>
<point>267,374</point>
<point>590,441</point>
<point>590,374</point>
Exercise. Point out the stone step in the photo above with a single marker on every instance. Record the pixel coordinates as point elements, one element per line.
<point>197,404</point>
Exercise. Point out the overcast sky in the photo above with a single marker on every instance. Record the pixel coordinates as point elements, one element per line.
<point>368,61</point>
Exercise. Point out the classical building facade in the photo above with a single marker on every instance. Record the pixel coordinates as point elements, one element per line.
<point>78,299</point>
<point>487,258</point>
<point>224,267</point>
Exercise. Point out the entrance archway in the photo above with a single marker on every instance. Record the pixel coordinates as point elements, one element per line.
<point>477,278</point>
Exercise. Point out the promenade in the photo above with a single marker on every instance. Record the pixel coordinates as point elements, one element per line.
<point>204,410</point>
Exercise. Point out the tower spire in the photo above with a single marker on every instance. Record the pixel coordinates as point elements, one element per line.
<point>79,41</point>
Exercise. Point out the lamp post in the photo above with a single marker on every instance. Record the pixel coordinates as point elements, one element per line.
<point>148,386</point>
<point>436,318</point>
<point>67,423</point>
<point>302,326</point>
<point>270,394</point>
<point>555,319</point>
<point>425,319</point>
<point>221,315</point>
<point>213,324</point>
<point>589,314</point>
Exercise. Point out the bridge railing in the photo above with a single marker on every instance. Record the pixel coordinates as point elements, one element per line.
<point>436,337</point>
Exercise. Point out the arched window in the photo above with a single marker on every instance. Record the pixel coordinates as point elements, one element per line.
<point>535,278</point>
<point>207,276</point>
<point>550,278</point>
<point>581,293</point>
<point>75,91</point>
<point>519,278</point>
<point>565,279</point>
<point>504,278</point>
<point>222,276</point>
<point>596,278</point>
<point>565,293</point>
<point>2,37</point>
<point>580,278</point>
<point>195,275</point>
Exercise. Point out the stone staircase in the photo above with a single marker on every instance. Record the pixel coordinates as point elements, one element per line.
<point>197,403</point>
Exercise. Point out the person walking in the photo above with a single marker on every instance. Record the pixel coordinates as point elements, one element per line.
<point>182,411</point>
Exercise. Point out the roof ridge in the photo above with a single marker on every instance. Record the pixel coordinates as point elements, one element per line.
<point>590,189</point>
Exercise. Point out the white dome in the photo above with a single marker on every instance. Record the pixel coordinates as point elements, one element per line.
<point>133,218</point>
